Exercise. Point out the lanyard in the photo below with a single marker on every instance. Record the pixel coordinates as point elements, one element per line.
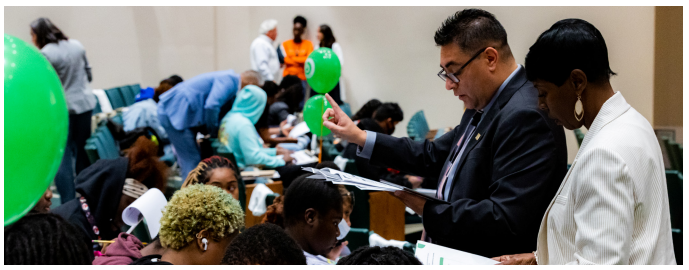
<point>89,217</point>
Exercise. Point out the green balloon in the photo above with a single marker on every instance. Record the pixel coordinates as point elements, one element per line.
<point>36,123</point>
<point>313,114</point>
<point>322,69</point>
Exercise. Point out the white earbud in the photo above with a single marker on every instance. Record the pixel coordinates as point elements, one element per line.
<point>205,243</point>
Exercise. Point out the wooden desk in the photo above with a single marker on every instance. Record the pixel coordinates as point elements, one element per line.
<point>250,219</point>
<point>386,215</point>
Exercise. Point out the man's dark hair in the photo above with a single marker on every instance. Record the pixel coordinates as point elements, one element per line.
<point>271,88</point>
<point>389,110</point>
<point>174,80</point>
<point>568,45</point>
<point>288,81</point>
<point>367,255</point>
<point>264,244</point>
<point>306,193</point>
<point>300,19</point>
<point>473,29</point>
<point>46,32</point>
<point>367,110</point>
<point>45,239</point>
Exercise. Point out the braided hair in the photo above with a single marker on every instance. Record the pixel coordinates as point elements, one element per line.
<point>45,239</point>
<point>368,255</point>
<point>264,244</point>
<point>202,173</point>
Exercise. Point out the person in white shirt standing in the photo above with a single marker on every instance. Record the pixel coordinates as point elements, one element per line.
<point>264,57</point>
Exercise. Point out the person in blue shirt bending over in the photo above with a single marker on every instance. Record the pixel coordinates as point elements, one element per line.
<point>194,106</point>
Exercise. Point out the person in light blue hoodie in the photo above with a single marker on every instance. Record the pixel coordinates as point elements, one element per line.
<point>238,134</point>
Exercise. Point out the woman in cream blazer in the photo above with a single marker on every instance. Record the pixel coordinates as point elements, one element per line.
<point>612,206</point>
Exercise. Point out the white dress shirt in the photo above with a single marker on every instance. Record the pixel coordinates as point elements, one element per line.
<point>264,57</point>
<point>612,207</point>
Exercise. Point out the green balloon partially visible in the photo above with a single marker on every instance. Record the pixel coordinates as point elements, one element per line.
<point>322,70</point>
<point>36,123</point>
<point>313,114</point>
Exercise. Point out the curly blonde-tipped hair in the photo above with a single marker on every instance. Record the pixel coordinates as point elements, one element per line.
<point>196,208</point>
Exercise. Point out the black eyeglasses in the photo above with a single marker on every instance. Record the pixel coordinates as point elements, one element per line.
<point>453,76</point>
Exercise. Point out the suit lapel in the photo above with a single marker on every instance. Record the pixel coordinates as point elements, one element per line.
<point>515,84</point>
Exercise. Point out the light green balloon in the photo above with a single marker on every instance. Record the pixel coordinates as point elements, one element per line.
<point>313,114</point>
<point>36,123</point>
<point>322,70</point>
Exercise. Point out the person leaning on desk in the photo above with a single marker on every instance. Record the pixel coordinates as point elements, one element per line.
<point>499,185</point>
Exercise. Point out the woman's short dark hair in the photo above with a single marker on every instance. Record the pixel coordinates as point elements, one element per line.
<point>568,45</point>
<point>328,38</point>
<point>45,239</point>
<point>46,32</point>
<point>389,110</point>
<point>174,80</point>
<point>305,193</point>
<point>264,244</point>
<point>472,29</point>
<point>368,255</point>
<point>367,110</point>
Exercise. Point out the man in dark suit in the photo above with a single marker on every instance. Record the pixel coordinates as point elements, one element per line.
<point>500,168</point>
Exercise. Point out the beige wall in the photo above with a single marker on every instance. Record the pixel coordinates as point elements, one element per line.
<point>389,51</point>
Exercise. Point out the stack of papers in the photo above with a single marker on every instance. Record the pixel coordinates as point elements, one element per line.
<point>343,178</point>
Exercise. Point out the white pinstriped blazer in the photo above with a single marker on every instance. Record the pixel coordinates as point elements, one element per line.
<point>612,207</point>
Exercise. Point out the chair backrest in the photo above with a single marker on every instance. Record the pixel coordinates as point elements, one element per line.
<point>360,216</point>
<point>97,109</point>
<point>115,97</point>
<point>674,190</point>
<point>579,135</point>
<point>92,149</point>
<point>357,237</point>
<point>673,154</point>
<point>417,128</point>
<point>127,95</point>
<point>135,89</point>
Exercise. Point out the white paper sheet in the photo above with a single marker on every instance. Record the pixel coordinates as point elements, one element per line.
<point>299,129</point>
<point>432,254</point>
<point>149,206</point>
<point>301,158</point>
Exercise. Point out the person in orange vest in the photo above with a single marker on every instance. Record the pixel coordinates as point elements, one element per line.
<point>295,52</point>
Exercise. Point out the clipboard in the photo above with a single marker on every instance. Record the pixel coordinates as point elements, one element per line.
<point>408,190</point>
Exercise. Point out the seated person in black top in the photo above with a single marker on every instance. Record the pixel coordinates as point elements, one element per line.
<point>287,103</point>
<point>264,244</point>
<point>367,110</point>
<point>384,120</point>
<point>197,225</point>
<point>264,130</point>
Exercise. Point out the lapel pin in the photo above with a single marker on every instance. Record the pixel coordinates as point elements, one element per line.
<point>478,136</point>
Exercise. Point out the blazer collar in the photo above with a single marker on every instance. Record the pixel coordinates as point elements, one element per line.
<point>611,110</point>
<point>517,81</point>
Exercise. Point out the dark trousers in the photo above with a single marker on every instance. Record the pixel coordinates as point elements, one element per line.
<point>75,159</point>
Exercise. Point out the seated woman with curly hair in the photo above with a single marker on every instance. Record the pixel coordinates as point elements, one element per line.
<point>197,225</point>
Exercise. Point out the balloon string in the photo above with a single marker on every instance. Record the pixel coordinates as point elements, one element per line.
<point>320,151</point>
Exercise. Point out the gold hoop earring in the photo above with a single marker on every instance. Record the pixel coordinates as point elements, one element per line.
<point>578,109</point>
